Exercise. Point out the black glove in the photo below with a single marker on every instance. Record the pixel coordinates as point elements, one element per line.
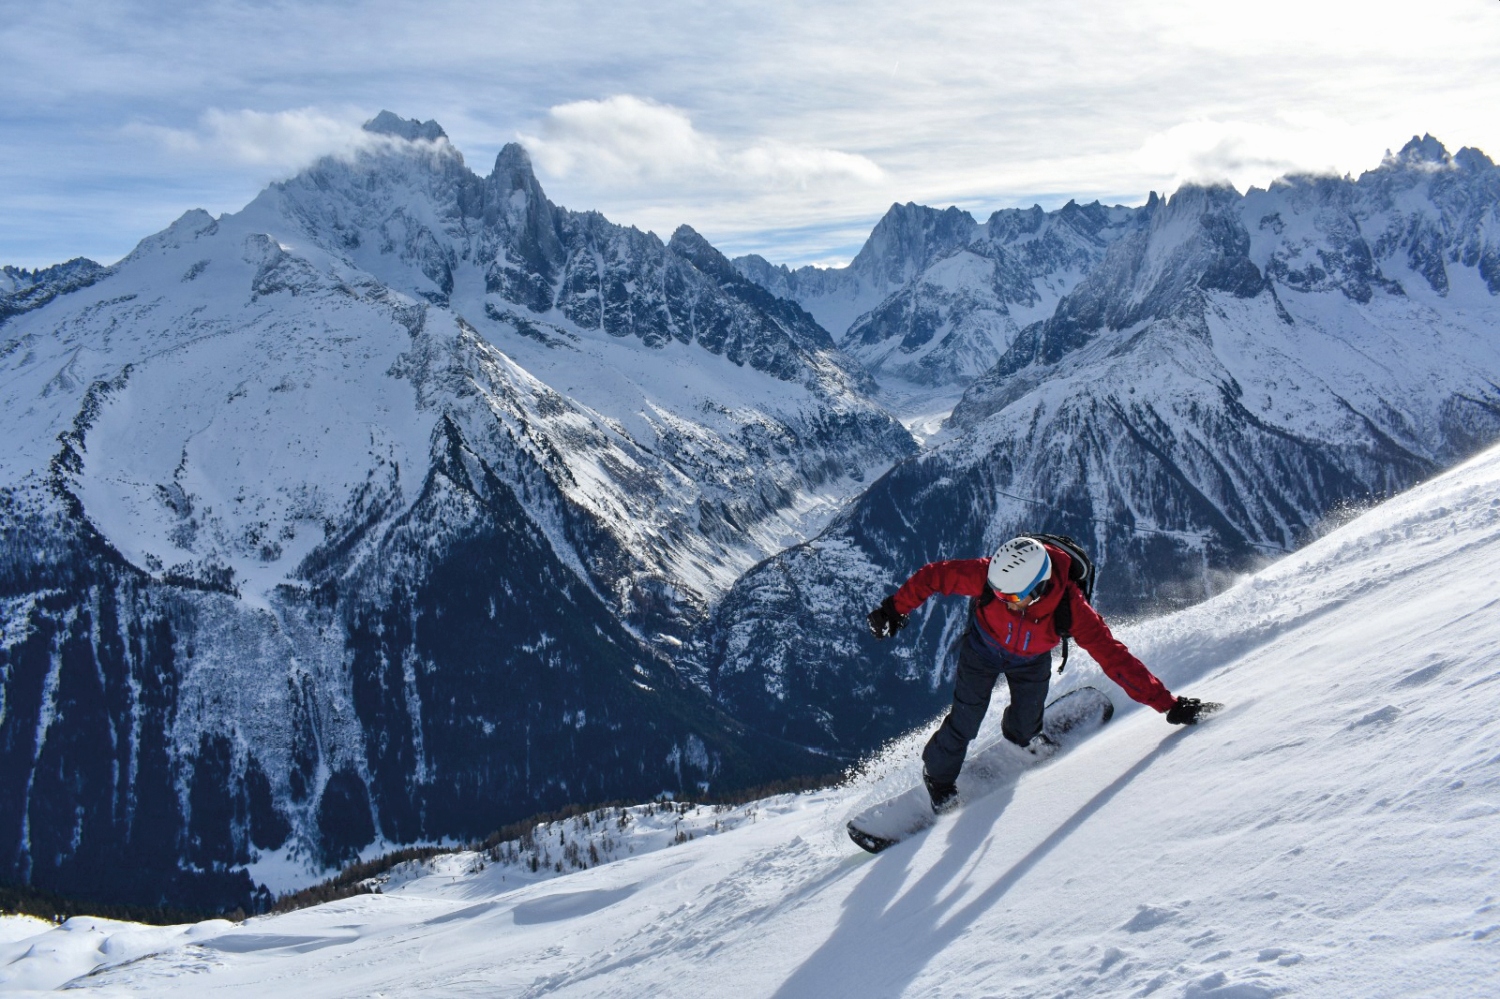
<point>884,621</point>
<point>1187,710</point>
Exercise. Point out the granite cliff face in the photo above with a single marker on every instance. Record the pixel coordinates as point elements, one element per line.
<point>375,512</point>
<point>1231,369</point>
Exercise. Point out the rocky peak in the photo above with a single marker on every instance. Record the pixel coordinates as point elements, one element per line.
<point>1469,158</point>
<point>692,247</point>
<point>410,129</point>
<point>513,171</point>
<point>22,290</point>
<point>1196,242</point>
<point>516,191</point>
<point>13,279</point>
<point>531,261</point>
<point>1194,199</point>
<point>1007,225</point>
<point>910,237</point>
<point>1192,243</point>
<point>1424,150</point>
<point>1086,220</point>
<point>757,268</point>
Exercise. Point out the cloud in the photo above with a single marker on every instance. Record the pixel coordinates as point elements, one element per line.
<point>278,141</point>
<point>1250,153</point>
<point>757,135</point>
<point>626,140</point>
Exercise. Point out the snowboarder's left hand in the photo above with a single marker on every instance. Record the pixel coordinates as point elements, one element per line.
<point>884,620</point>
<point>1188,710</point>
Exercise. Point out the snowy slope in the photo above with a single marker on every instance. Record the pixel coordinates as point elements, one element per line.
<point>1333,833</point>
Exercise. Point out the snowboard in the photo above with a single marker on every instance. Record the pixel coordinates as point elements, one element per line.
<point>1068,720</point>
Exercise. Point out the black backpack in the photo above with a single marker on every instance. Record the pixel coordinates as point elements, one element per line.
<point>1081,570</point>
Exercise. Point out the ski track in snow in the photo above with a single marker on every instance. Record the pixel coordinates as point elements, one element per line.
<point>1332,833</point>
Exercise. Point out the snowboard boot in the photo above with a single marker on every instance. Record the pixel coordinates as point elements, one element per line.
<point>1042,745</point>
<point>944,794</point>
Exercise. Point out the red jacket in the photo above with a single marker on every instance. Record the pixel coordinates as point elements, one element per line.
<point>1031,632</point>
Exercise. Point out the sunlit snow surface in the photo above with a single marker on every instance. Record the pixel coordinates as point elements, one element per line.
<point>1332,833</point>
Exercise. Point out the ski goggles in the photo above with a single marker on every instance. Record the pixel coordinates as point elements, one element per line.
<point>1034,590</point>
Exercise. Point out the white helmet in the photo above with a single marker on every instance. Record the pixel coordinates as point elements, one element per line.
<point>1019,566</point>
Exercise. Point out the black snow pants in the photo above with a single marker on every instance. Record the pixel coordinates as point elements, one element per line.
<point>979,666</point>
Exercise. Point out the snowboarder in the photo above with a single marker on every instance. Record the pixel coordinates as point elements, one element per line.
<point>1013,631</point>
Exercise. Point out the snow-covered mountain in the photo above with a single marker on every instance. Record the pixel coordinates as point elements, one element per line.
<point>1331,834</point>
<point>371,513</point>
<point>22,290</point>
<point>934,298</point>
<point>1230,371</point>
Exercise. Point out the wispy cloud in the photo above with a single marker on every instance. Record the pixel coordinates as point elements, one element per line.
<point>279,141</point>
<point>1256,153</point>
<point>624,141</point>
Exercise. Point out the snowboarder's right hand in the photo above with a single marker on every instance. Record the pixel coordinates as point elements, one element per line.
<point>884,620</point>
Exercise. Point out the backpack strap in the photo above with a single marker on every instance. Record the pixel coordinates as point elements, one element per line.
<point>1062,623</point>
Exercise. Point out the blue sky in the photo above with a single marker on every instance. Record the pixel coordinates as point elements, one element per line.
<point>768,127</point>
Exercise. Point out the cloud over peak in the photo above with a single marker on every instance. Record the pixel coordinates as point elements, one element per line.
<point>282,142</point>
<point>1255,153</point>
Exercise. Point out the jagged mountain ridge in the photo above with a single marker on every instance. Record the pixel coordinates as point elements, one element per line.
<point>367,513</point>
<point>934,298</point>
<point>1224,376</point>
<point>22,290</point>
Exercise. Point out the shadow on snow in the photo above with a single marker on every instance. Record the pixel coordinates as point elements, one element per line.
<point>886,936</point>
